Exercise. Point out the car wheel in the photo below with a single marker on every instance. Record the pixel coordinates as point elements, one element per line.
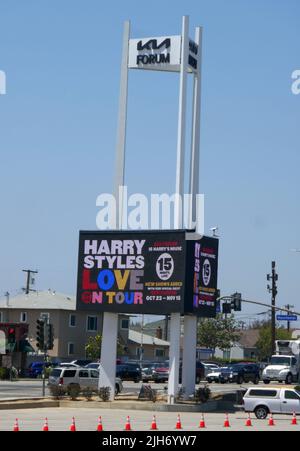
<point>266,381</point>
<point>117,390</point>
<point>261,412</point>
<point>256,380</point>
<point>209,380</point>
<point>289,379</point>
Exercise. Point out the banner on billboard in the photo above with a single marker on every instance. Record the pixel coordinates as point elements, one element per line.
<point>147,272</point>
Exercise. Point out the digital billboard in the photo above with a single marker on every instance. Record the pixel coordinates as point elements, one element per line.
<point>146,272</point>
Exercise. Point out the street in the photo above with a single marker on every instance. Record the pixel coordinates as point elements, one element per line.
<point>86,419</point>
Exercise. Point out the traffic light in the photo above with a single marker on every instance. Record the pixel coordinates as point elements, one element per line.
<point>226,308</point>
<point>49,336</point>
<point>40,335</point>
<point>236,302</point>
<point>11,335</point>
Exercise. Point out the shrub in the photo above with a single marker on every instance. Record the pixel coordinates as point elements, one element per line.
<point>202,394</point>
<point>57,391</point>
<point>74,391</point>
<point>88,393</point>
<point>104,393</point>
<point>4,374</point>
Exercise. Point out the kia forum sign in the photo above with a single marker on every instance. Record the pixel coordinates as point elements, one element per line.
<point>161,53</point>
<point>147,272</point>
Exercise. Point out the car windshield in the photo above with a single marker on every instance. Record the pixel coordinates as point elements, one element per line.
<point>280,360</point>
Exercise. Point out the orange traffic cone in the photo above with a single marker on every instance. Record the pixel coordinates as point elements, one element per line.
<point>73,426</point>
<point>294,419</point>
<point>226,422</point>
<point>202,422</point>
<point>153,424</point>
<point>16,426</point>
<point>178,423</point>
<point>99,427</point>
<point>271,421</point>
<point>248,421</point>
<point>127,425</point>
<point>45,427</point>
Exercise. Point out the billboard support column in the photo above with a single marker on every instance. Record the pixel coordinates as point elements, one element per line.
<point>174,357</point>
<point>121,132</point>
<point>179,190</point>
<point>189,354</point>
<point>195,150</point>
<point>109,352</point>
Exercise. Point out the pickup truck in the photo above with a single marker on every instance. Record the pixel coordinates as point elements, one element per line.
<point>263,401</point>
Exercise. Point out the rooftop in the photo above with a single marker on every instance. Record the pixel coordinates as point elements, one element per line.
<point>39,300</point>
<point>138,338</point>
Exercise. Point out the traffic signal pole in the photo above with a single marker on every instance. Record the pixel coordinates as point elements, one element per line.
<point>273,277</point>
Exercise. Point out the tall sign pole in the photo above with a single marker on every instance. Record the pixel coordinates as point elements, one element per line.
<point>110,320</point>
<point>190,321</point>
<point>174,351</point>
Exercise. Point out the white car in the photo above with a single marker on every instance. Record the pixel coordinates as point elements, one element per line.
<point>263,401</point>
<point>209,368</point>
<point>214,375</point>
<point>80,377</point>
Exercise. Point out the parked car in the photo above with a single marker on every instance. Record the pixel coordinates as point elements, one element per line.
<point>129,372</point>
<point>240,373</point>
<point>161,374</point>
<point>263,401</point>
<point>209,367</point>
<point>214,375</point>
<point>149,369</point>
<point>81,377</point>
<point>35,369</point>
<point>200,372</point>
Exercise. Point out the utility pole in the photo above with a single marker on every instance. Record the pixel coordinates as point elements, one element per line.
<point>29,281</point>
<point>288,307</point>
<point>273,289</point>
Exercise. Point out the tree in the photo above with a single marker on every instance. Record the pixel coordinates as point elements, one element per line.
<point>93,347</point>
<point>218,332</point>
<point>264,342</point>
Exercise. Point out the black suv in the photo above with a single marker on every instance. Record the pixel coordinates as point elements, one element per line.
<point>129,372</point>
<point>239,373</point>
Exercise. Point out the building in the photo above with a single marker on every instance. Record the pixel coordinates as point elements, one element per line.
<point>154,348</point>
<point>71,328</point>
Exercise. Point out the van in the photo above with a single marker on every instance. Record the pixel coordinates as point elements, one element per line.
<point>80,377</point>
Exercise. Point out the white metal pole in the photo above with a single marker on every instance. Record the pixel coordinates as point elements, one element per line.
<point>174,357</point>
<point>195,150</point>
<point>110,320</point>
<point>179,190</point>
<point>174,352</point>
<point>121,133</point>
<point>109,352</point>
<point>189,354</point>
<point>190,322</point>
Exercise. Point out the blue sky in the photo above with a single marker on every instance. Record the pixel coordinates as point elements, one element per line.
<point>58,132</point>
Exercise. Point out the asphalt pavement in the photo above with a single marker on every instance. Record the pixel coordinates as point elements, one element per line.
<point>86,419</point>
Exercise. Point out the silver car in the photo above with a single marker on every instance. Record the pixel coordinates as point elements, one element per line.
<point>263,401</point>
<point>81,377</point>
